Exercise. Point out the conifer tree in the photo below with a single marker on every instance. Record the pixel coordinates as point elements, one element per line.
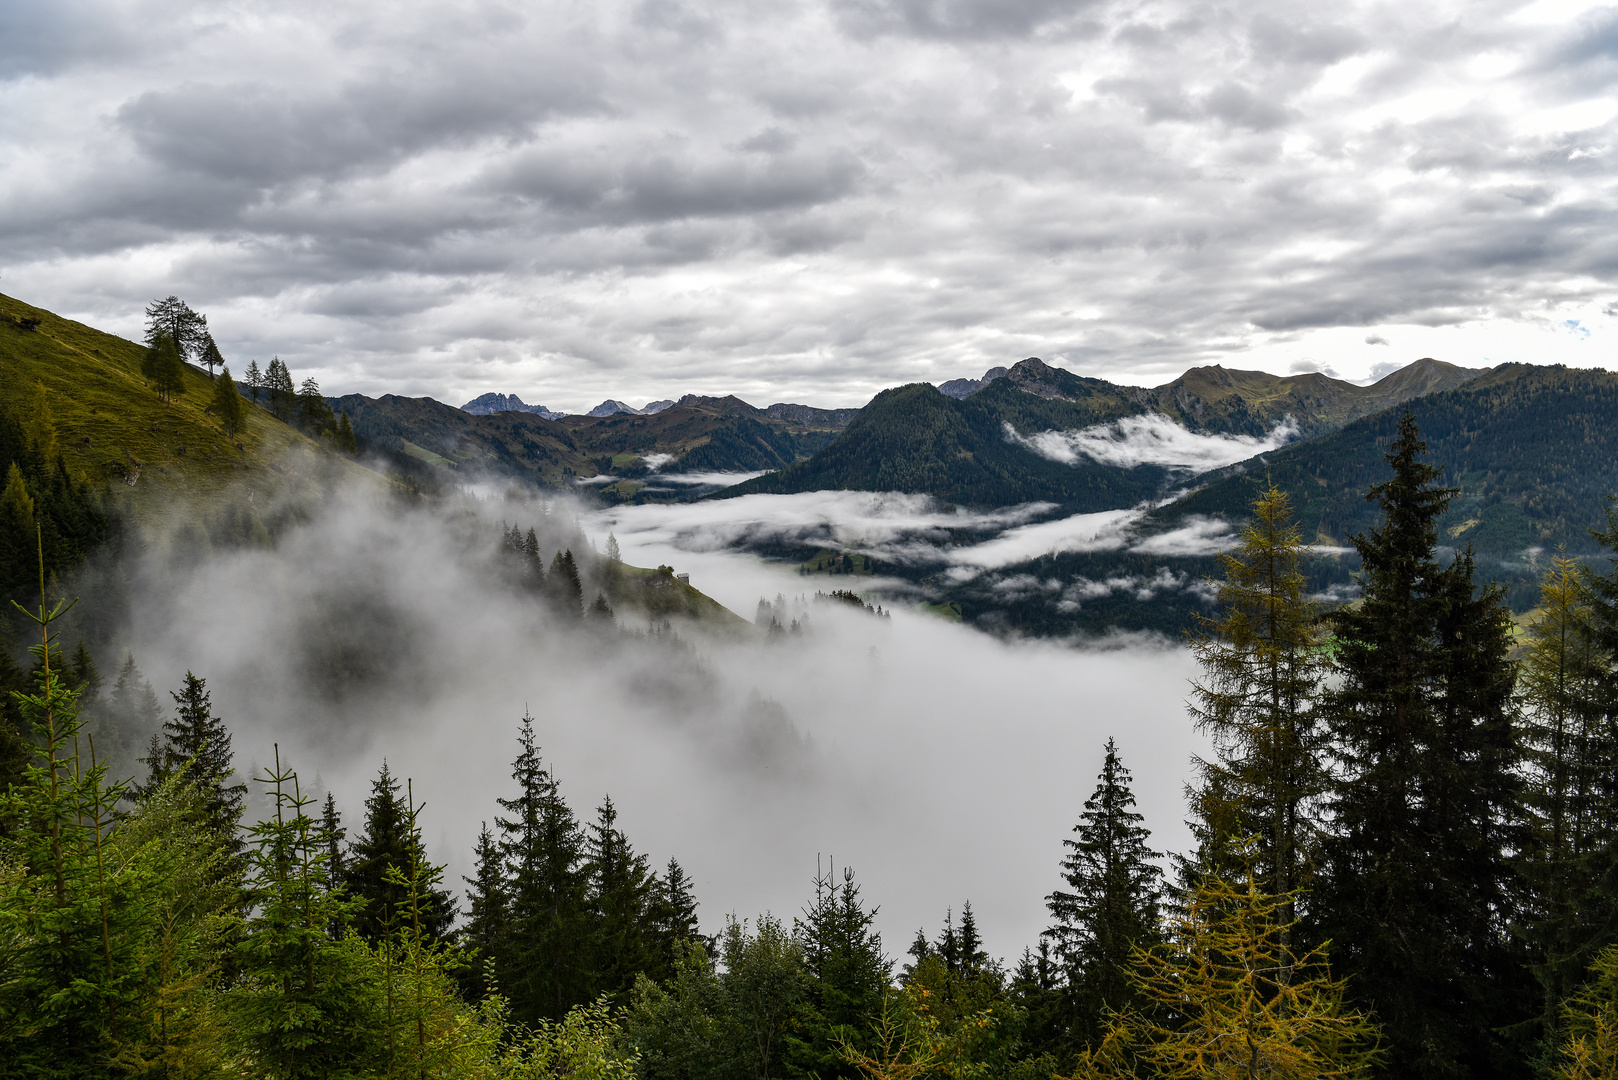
<point>164,368</point>
<point>332,834</point>
<point>345,436</point>
<point>208,354</point>
<point>195,735</point>
<point>488,929</point>
<point>282,396</point>
<point>848,974</point>
<point>1572,757</point>
<point>547,968</point>
<point>314,415</point>
<point>674,920</point>
<point>173,318</point>
<point>566,591</point>
<point>227,402</point>
<point>1416,888</point>
<point>1256,698</point>
<point>389,840</point>
<point>1110,907</point>
<point>254,380</point>
<point>132,708</point>
<point>620,898</point>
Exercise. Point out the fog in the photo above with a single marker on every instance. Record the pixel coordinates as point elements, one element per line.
<point>1151,439</point>
<point>941,763</point>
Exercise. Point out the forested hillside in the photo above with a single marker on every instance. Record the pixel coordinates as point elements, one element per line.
<point>1533,450</point>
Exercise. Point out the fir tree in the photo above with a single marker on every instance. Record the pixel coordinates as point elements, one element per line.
<point>620,898</point>
<point>1416,889</point>
<point>200,738</point>
<point>1111,905</point>
<point>389,841</point>
<point>566,591</point>
<point>848,973</point>
<point>1259,676</point>
<point>546,970</point>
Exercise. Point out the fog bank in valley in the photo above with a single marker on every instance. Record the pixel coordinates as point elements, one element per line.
<point>942,764</point>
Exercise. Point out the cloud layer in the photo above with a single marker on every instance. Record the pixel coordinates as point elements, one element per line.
<point>1151,439</point>
<point>813,199</point>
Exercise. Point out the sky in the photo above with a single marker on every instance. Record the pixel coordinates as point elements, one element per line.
<point>811,200</point>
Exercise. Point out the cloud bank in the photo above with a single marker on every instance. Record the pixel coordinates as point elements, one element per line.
<point>1151,439</point>
<point>811,200</point>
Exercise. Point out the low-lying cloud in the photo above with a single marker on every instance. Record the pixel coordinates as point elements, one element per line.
<point>371,631</point>
<point>1151,439</point>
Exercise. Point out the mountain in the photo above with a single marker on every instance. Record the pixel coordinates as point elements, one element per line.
<point>972,449</point>
<point>615,450</point>
<point>914,439</point>
<point>488,404</point>
<point>1533,450</point>
<point>612,408</point>
<point>965,388</point>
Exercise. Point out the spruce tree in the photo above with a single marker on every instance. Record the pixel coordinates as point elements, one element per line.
<point>488,931</point>
<point>848,974</point>
<point>254,380</point>
<point>547,969</point>
<point>132,707</point>
<point>566,591</point>
<point>332,834</point>
<point>389,841</point>
<point>196,736</point>
<point>1260,670</point>
<point>674,920</point>
<point>1110,906</point>
<point>1416,889</point>
<point>621,899</point>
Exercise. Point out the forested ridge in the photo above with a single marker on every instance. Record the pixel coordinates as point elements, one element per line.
<point>1406,849</point>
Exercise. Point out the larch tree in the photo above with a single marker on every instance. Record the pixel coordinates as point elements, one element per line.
<point>1110,906</point>
<point>174,319</point>
<point>1260,670</point>
<point>164,368</point>
<point>227,403</point>
<point>1416,887</point>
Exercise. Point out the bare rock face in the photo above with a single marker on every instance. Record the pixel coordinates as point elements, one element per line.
<point>960,389</point>
<point>489,404</point>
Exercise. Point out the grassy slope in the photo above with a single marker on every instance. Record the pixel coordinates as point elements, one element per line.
<point>1532,449</point>
<point>110,427</point>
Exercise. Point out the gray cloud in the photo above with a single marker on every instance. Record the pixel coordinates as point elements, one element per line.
<point>807,200</point>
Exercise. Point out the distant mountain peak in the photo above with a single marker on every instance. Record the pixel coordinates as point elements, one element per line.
<point>612,407</point>
<point>961,389</point>
<point>488,404</point>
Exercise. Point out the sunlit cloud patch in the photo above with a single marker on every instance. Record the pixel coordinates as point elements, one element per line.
<point>1151,439</point>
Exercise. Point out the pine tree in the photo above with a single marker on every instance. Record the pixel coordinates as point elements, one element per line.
<point>1111,906</point>
<point>621,890</point>
<point>546,971</point>
<point>1256,698</point>
<point>227,402</point>
<point>1416,888</point>
<point>388,842</point>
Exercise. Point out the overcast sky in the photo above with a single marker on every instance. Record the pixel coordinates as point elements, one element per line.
<point>810,201</point>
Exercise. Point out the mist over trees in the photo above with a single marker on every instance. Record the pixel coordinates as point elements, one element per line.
<point>1404,865</point>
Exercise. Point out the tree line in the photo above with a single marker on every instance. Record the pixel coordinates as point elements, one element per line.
<point>1404,865</point>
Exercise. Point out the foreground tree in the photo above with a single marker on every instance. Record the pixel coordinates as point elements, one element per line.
<point>1416,888</point>
<point>1111,908</point>
<point>390,842</point>
<point>1260,671</point>
<point>1233,1001</point>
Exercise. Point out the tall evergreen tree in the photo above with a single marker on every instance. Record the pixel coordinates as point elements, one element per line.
<point>1416,890</point>
<point>163,367</point>
<point>281,394</point>
<point>566,590</point>
<point>1110,906</point>
<point>195,735</point>
<point>622,891</point>
<point>848,974</point>
<point>488,930</point>
<point>1256,698</point>
<point>314,415</point>
<point>208,354</point>
<point>1573,759</point>
<point>674,920</point>
<point>132,708</point>
<point>389,841</point>
<point>254,380</point>
<point>547,968</point>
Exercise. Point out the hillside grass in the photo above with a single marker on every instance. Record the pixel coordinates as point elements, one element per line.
<point>150,457</point>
